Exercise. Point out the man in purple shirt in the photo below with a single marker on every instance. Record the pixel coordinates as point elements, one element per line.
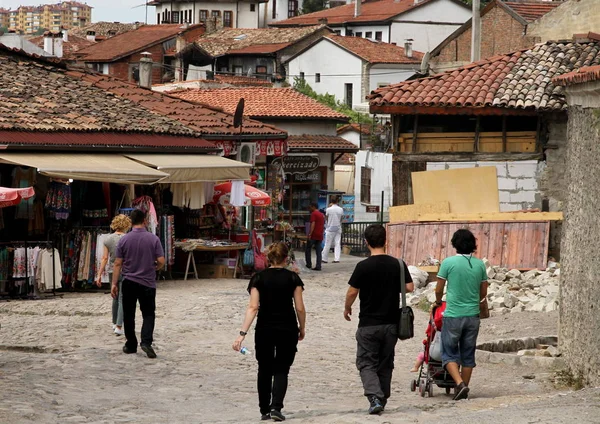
<point>139,255</point>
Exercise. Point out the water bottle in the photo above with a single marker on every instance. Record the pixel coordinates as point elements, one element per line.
<point>245,351</point>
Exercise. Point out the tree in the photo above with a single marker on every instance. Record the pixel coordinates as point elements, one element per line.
<point>40,31</point>
<point>311,6</point>
<point>3,29</point>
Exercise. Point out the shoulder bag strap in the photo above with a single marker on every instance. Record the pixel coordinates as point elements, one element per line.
<point>402,282</point>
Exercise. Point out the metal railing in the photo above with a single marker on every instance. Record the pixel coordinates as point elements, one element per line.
<point>353,237</point>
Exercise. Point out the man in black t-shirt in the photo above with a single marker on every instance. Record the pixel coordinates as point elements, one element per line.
<point>376,280</point>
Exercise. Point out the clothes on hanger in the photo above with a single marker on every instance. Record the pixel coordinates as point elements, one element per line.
<point>58,200</point>
<point>48,270</point>
<point>145,204</point>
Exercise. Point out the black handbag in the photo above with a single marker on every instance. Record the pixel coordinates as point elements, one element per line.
<point>406,328</point>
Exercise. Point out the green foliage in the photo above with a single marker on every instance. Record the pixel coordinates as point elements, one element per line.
<point>311,6</point>
<point>329,100</point>
<point>3,29</point>
<point>483,2</point>
<point>40,31</point>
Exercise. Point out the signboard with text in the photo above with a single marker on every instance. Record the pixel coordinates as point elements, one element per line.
<point>372,209</point>
<point>309,177</point>
<point>348,207</point>
<point>298,164</point>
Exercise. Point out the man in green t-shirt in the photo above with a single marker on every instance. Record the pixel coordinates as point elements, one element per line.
<point>467,287</point>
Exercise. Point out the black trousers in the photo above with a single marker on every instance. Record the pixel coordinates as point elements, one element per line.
<point>132,293</point>
<point>275,353</point>
<point>375,358</point>
<point>318,246</point>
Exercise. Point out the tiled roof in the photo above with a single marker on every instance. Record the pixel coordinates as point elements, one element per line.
<point>326,143</point>
<point>104,29</point>
<point>219,81</point>
<point>70,47</point>
<point>375,51</point>
<point>364,129</point>
<point>253,41</point>
<point>580,76</point>
<point>40,95</point>
<point>263,102</point>
<point>371,11</point>
<point>530,10</point>
<point>520,80</point>
<point>130,42</point>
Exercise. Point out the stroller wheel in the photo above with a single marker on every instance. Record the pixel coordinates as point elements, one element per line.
<point>422,388</point>
<point>430,390</point>
<point>413,385</point>
<point>448,390</point>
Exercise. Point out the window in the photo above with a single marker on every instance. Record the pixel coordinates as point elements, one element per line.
<point>228,19</point>
<point>274,14</point>
<point>317,77</point>
<point>203,16</point>
<point>358,34</point>
<point>174,17</point>
<point>349,33</point>
<point>302,75</point>
<point>252,7</point>
<point>238,70</point>
<point>261,69</point>
<point>365,184</point>
<point>348,95</point>
<point>190,16</point>
<point>184,16</point>
<point>338,32</point>
<point>158,18</point>
<point>292,8</point>
<point>215,14</point>
<point>378,35</point>
<point>368,34</point>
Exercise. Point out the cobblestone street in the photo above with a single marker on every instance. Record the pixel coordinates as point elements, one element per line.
<point>60,362</point>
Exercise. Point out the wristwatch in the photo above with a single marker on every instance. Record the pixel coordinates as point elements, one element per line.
<point>243,333</point>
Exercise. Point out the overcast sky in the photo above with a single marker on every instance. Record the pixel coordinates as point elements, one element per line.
<point>104,10</point>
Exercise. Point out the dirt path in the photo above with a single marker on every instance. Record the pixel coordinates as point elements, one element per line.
<point>61,363</point>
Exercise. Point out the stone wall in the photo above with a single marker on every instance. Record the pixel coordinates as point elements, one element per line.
<point>579,338</point>
<point>572,17</point>
<point>518,182</point>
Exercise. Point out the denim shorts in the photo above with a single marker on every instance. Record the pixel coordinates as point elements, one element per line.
<point>459,339</point>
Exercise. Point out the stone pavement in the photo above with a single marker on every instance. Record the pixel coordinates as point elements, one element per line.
<point>60,362</point>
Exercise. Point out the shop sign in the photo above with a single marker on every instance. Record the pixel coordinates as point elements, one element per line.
<point>309,177</point>
<point>272,147</point>
<point>298,164</point>
<point>372,209</point>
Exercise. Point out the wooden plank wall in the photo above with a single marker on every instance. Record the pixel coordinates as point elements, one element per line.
<point>490,142</point>
<point>520,245</point>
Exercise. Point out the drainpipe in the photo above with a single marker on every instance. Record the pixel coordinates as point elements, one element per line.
<point>476,32</point>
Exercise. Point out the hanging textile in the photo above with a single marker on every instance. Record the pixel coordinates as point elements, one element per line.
<point>237,196</point>
<point>94,204</point>
<point>48,273</point>
<point>145,204</point>
<point>58,200</point>
<point>19,263</point>
<point>167,237</point>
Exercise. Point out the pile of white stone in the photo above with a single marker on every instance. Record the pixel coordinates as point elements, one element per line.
<point>508,291</point>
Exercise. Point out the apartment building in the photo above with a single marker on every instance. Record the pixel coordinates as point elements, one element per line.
<point>52,17</point>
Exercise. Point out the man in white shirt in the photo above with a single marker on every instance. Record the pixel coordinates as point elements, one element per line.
<point>333,232</point>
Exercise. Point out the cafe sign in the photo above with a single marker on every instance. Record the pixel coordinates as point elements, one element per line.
<point>298,164</point>
<point>309,177</point>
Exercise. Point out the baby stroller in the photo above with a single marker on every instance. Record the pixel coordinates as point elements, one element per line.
<point>431,371</point>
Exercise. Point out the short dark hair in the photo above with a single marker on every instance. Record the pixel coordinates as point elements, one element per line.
<point>314,205</point>
<point>464,242</point>
<point>375,235</point>
<point>334,199</point>
<point>137,217</point>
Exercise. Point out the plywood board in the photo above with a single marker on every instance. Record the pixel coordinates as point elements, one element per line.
<point>413,212</point>
<point>490,216</point>
<point>515,244</point>
<point>468,190</point>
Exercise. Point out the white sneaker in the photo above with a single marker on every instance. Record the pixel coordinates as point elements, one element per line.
<point>119,331</point>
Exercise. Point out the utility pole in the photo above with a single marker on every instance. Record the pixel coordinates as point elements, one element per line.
<point>476,32</point>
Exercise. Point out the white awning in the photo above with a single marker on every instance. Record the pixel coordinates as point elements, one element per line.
<point>103,167</point>
<point>186,168</point>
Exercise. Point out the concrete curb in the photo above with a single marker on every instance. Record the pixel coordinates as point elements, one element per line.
<point>483,356</point>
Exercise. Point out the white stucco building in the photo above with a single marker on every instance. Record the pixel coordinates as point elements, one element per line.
<point>350,67</point>
<point>426,22</point>
<point>372,178</point>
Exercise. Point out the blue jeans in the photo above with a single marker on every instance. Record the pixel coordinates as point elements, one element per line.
<point>318,246</point>
<point>459,340</point>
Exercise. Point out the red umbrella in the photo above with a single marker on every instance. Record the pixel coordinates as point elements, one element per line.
<point>254,196</point>
<point>13,196</point>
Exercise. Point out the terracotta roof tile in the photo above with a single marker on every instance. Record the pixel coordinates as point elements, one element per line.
<point>263,102</point>
<point>105,29</point>
<point>70,47</point>
<point>530,10</point>
<point>328,143</point>
<point>519,80</point>
<point>579,76</point>
<point>130,42</point>
<point>40,95</point>
<point>364,129</point>
<point>375,51</point>
<point>254,40</point>
<point>371,11</point>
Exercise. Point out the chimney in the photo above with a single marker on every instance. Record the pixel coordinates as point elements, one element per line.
<point>322,21</point>
<point>48,44</point>
<point>91,35</point>
<point>57,42</point>
<point>357,6</point>
<point>146,70</point>
<point>65,33</point>
<point>408,51</point>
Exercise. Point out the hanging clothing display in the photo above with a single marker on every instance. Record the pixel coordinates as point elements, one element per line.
<point>58,200</point>
<point>82,255</point>
<point>167,237</point>
<point>191,195</point>
<point>145,204</point>
<point>238,195</point>
<point>24,177</point>
<point>19,263</point>
<point>48,273</point>
<point>94,204</point>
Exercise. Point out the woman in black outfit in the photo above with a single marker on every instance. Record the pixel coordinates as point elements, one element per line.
<point>276,295</point>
